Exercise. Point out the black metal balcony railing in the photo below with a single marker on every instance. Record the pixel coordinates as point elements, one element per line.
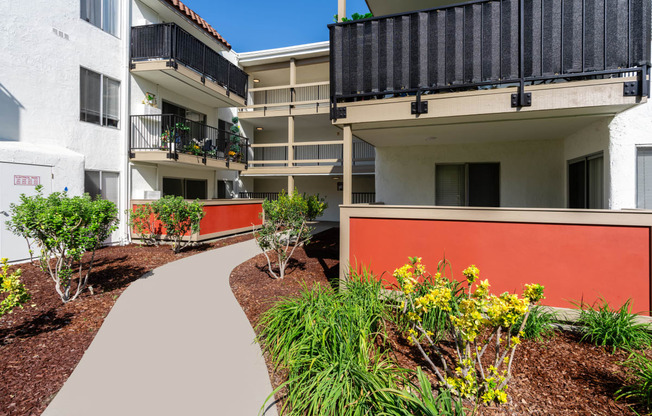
<point>489,43</point>
<point>272,196</point>
<point>363,197</point>
<point>170,42</point>
<point>177,135</point>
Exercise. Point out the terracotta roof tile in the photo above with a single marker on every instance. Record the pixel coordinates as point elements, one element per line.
<point>195,18</point>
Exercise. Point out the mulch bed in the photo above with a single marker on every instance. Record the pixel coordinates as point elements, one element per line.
<point>41,344</point>
<point>558,376</point>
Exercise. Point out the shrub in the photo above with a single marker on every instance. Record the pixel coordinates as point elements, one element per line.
<point>15,292</point>
<point>285,228</point>
<point>64,228</point>
<point>329,345</point>
<point>607,327</point>
<point>143,221</point>
<point>179,217</point>
<point>639,389</point>
<point>478,321</point>
<point>539,324</point>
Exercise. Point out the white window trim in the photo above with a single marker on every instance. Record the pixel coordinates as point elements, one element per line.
<point>101,27</point>
<point>102,76</point>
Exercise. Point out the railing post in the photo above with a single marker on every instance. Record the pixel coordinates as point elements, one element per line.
<point>521,98</point>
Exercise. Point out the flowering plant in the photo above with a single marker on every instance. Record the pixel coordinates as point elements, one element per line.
<point>479,323</point>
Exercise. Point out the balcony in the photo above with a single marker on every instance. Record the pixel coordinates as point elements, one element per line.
<point>284,100</point>
<point>168,55</point>
<point>315,157</point>
<point>357,197</point>
<point>484,58</point>
<point>170,139</point>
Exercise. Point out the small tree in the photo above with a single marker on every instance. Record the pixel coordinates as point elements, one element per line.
<point>64,228</point>
<point>144,222</point>
<point>179,217</point>
<point>10,284</point>
<point>285,228</point>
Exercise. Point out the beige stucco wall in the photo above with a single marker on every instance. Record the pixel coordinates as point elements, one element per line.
<point>531,172</point>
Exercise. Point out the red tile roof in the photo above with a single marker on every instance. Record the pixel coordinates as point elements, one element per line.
<point>197,20</point>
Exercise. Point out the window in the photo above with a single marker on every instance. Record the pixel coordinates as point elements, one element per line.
<point>187,188</point>
<point>102,184</point>
<point>99,99</point>
<point>586,182</point>
<point>644,177</point>
<point>224,189</point>
<point>468,184</point>
<point>101,13</point>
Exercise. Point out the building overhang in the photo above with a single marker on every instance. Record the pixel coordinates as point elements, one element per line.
<point>377,121</point>
<point>305,170</point>
<point>184,160</point>
<point>186,82</point>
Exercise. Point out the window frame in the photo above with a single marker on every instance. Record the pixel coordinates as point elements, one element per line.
<point>644,147</point>
<point>102,115</point>
<point>101,26</point>
<point>587,181</point>
<point>184,186</point>
<point>467,178</point>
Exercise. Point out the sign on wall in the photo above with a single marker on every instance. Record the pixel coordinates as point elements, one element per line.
<point>25,180</point>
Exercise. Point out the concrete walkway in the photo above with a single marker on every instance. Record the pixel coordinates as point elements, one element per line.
<point>175,343</point>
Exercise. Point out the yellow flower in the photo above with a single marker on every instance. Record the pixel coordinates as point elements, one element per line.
<point>472,273</point>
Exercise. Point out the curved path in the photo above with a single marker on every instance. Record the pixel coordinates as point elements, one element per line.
<point>175,343</point>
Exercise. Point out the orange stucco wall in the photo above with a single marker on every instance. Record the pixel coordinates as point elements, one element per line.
<point>230,217</point>
<point>573,262</point>
<point>220,218</point>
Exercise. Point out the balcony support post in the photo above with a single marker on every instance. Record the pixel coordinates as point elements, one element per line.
<point>290,152</point>
<point>341,10</point>
<point>347,165</point>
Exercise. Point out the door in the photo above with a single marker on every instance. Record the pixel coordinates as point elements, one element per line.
<point>17,179</point>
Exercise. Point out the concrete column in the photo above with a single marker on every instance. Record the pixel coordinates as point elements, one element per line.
<point>293,72</point>
<point>290,184</point>
<point>290,151</point>
<point>347,165</point>
<point>341,9</point>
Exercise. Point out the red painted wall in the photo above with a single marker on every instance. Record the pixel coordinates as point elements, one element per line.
<point>573,262</point>
<point>227,217</point>
<point>230,217</point>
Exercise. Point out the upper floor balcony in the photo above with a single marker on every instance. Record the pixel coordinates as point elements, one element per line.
<point>309,158</point>
<point>171,139</point>
<point>286,100</point>
<point>489,57</point>
<point>168,55</point>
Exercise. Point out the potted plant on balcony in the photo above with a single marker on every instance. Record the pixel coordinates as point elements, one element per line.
<point>235,142</point>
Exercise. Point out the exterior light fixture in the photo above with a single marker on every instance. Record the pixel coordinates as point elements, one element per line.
<point>256,80</point>
<point>259,128</point>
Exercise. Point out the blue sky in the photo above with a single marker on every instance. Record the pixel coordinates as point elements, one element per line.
<point>250,25</point>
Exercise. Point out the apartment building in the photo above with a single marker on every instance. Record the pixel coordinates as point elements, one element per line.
<point>294,144</point>
<point>129,100</point>
<point>511,134</point>
<point>63,103</point>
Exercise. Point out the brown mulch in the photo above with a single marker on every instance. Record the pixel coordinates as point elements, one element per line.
<point>558,376</point>
<point>41,344</point>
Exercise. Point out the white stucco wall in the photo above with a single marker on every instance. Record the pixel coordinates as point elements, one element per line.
<point>531,172</point>
<point>67,166</point>
<point>44,45</point>
<point>627,131</point>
